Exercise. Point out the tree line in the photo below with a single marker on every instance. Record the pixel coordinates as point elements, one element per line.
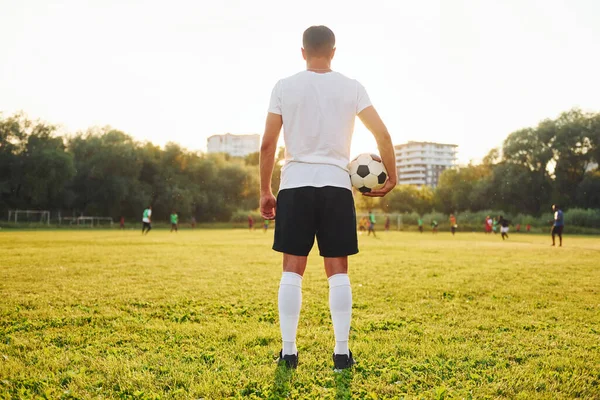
<point>105,172</point>
<point>555,162</point>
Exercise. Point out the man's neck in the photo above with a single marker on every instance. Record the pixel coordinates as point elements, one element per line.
<point>318,65</point>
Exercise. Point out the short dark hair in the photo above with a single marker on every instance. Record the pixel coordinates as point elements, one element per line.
<point>318,40</point>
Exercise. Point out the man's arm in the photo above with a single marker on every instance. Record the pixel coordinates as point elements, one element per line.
<point>268,148</point>
<point>373,122</point>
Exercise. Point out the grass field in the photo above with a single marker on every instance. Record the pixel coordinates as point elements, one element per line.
<point>108,314</point>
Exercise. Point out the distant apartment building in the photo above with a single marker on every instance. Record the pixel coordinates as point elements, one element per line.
<point>421,163</point>
<point>234,145</point>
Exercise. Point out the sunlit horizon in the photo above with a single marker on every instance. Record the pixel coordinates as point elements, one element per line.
<point>465,72</point>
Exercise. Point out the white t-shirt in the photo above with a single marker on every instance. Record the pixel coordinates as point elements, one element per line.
<point>318,112</point>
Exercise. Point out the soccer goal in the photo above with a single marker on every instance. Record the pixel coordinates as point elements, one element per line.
<point>94,221</point>
<point>29,216</point>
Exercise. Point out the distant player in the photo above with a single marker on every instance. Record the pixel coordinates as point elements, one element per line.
<point>371,224</point>
<point>174,222</point>
<point>193,222</point>
<point>495,225</point>
<point>488,224</point>
<point>420,224</point>
<point>364,221</point>
<point>317,109</point>
<point>265,225</point>
<point>558,225</point>
<point>362,225</point>
<point>503,226</point>
<point>453,224</point>
<point>387,223</point>
<point>434,226</point>
<point>147,220</point>
<point>122,222</point>
<point>250,222</point>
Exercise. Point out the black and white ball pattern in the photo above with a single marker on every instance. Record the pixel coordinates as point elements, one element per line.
<point>367,172</point>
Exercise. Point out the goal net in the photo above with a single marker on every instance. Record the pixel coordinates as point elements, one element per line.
<point>29,216</point>
<point>91,222</point>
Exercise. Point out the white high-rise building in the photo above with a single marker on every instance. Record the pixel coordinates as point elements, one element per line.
<point>421,163</point>
<point>235,145</point>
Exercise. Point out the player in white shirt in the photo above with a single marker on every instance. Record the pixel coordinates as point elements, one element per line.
<point>317,109</point>
<point>147,220</point>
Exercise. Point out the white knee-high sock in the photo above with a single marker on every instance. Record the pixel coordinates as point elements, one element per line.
<point>340,304</point>
<point>290,302</point>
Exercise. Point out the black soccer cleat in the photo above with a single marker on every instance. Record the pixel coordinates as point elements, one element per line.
<point>289,360</point>
<point>342,361</point>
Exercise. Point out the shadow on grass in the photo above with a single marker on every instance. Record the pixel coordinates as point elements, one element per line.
<point>281,382</point>
<point>343,381</point>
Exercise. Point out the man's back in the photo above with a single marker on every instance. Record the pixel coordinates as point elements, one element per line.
<point>317,109</point>
<point>558,218</point>
<point>318,112</point>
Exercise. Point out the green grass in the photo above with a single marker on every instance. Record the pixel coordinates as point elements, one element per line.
<point>108,314</point>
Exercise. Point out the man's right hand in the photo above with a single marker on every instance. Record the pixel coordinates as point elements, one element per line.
<point>389,185</point>
<point>268,205</point>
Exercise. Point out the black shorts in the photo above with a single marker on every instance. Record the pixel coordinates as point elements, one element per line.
<point>326,212</point>
<point>146,225</point>
<point>557,230</point>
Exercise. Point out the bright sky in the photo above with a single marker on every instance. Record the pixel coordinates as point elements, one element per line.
<point>459,71</point>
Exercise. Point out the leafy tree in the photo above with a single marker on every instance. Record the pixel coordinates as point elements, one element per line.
<point>108,168</point>
<point>573,147</point>
<point>34,167</point>
<point>455,188</point>
<point>531,147</point>
<point>252,159</point>
<point>12,142</point>
<point>46,170</point>
<point>588,191</point>
<point>405,198</point>
<point>492,157</point>
<point>517,189</point>
<point>105,172</point>
<point>365,203</point>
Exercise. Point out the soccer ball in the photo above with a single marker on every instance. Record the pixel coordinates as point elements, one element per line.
<point>367,172</point>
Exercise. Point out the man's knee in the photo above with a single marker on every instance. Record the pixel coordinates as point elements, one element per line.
<point>336,265</point>
<point>296,264</point>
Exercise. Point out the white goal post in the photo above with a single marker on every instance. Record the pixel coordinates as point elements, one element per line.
<point>86,221</point>
<point>41,216</point>
<point>93,221</point>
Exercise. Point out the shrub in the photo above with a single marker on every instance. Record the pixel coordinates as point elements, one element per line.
<point>589,218</point>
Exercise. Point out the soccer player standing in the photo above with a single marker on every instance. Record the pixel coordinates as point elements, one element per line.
<point>558,225</point>
<point>317,109</point>
<point>147,220</point>
<point>503,222</point>
<point>372,222</point>
<point>453,224</point>
<point>174,222</point>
